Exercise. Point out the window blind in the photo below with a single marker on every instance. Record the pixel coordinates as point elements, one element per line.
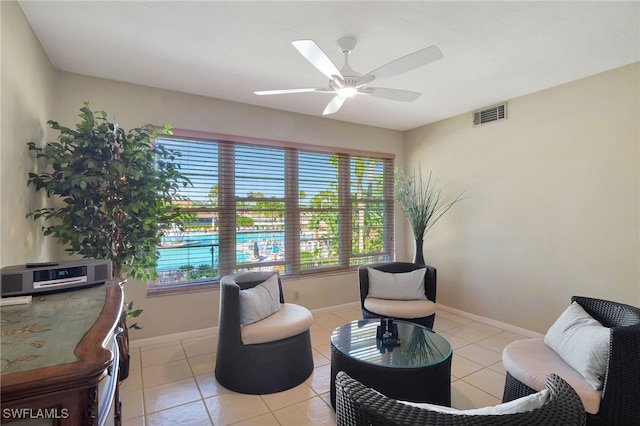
<point>273,206</point>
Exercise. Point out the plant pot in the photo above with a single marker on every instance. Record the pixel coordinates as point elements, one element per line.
<point>418,256</point>
<point>123,346</point>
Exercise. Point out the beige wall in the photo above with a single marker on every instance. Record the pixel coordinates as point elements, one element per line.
<point>552,198</point>
<point>27,83</point>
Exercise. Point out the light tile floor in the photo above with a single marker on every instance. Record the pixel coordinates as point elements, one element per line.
<point>173,382</point>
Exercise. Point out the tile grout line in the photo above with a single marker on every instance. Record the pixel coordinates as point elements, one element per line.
<point>326,327</point>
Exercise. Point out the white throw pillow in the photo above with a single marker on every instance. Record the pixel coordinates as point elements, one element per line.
<point>397,285</point>
<point>520,405</point>
<point>259,302</point>
<point>582,342</point>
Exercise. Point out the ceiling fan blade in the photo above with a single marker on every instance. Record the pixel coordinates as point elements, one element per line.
<point>334,105</point>
<point>365,80</point>
<point>287,91</point>
<point>312,52</point>
<point>407,63</point>
<point>390,94</point>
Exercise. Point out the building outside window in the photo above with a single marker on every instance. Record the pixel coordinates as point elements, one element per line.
<point>265,205</point>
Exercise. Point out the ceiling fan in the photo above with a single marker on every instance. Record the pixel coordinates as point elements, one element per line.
<point>346,82</point>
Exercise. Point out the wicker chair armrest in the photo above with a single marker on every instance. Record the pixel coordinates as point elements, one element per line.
<point>621,389</point>
<point>229,317</point>
<point>358,405</point>
<point>363,283</point>
<point>610,314</point>
<point>430,283</point>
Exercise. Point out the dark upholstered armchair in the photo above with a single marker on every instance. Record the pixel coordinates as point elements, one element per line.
<point>423,313</point>
<point>357,405</point>
<point>274,365</point>
<point>620,399</point>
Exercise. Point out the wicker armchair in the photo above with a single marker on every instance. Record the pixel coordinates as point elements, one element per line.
<point>261,368</point>
<point>398,267</point>
<point>358,405</point>
<point>621,390</point>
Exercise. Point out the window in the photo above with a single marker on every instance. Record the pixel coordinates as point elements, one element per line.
<point>266,205</point>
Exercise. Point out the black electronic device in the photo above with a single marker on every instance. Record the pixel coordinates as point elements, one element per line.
<point>387,335</point>
<point>32,278</point>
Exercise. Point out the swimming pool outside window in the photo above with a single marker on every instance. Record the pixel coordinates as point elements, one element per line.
<point>265,205</point>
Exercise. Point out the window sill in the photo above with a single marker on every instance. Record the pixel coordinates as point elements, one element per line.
<point>183,288</point>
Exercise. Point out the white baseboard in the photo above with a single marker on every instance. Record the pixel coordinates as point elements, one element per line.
<point>489,321</point>
<point>343,307</point>
<point>214,330</point>
<point>203,332</point>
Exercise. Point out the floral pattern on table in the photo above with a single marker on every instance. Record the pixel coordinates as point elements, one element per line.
<point>30,334</point>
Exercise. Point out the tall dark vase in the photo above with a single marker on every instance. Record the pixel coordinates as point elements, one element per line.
<point>418,257</point>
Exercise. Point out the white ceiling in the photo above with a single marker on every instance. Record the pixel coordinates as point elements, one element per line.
<point>493,51</point>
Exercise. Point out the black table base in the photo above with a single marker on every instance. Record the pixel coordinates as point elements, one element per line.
<point>430,384</point>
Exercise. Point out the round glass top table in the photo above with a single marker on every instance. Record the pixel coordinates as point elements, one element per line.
<point>417,368</point>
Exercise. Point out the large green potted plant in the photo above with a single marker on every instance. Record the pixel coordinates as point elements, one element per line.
<point>423,203</point>
<point>114,191</point>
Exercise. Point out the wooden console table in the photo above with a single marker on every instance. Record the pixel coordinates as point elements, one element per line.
<point>60,357</point>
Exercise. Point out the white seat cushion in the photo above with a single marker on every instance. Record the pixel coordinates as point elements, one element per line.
<point>520,405</point>
<point>530,360</point>
<point>289,321</point>
<point>400,308</point>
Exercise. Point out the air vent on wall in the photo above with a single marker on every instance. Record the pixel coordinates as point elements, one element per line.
<point>490,114</point>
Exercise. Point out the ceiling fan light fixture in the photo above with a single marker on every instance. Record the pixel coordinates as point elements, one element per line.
<point>346,82</point>
<point>347,92</point>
